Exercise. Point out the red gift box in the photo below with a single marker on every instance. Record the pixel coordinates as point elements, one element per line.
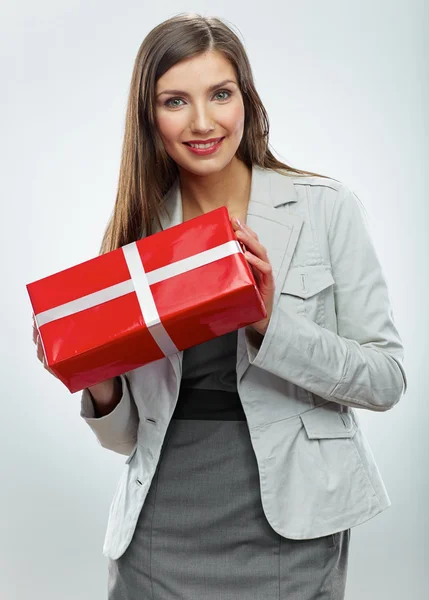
<point>149,299</point>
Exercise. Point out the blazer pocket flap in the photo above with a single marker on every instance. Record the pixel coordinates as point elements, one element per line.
<point>322,423</point>
<point>307,281</point>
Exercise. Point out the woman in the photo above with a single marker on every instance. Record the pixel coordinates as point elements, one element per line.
<point>246,464</point>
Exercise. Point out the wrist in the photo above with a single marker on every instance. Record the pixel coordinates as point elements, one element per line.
<point>261,327</point>
<point>107,392</point>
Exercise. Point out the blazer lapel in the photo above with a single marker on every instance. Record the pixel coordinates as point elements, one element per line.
<point>277,230</point>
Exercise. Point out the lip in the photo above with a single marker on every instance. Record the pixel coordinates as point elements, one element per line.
<point>206,151</point>
<point>204,141</point>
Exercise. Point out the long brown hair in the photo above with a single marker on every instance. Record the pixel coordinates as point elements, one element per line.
<point>147,172</point>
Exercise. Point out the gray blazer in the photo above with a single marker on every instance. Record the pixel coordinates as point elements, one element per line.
<point>331,347</point>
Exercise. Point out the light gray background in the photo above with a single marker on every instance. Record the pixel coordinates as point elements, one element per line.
<point>346,89</point>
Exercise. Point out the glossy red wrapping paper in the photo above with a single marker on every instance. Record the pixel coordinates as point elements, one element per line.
<point>112,338</point>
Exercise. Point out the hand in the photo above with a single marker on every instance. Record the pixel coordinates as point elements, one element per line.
<point>256,256</point>
<point>40,354</point>
<point>102,391</point>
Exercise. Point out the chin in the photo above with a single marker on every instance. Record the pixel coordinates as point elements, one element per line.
<point>207,169</point>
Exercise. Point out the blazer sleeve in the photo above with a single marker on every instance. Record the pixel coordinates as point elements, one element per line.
<point>116,431</point>
<point>362,365</point>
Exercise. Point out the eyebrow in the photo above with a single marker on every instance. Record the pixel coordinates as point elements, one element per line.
<point>209,89</point>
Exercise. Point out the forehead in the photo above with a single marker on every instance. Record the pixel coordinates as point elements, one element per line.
<point>204,69</point>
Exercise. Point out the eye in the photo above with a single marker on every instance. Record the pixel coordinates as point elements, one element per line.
<point>224,92</point>
<point>169,102</point>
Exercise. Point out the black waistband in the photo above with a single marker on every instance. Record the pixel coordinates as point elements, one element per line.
<point>195,403</point>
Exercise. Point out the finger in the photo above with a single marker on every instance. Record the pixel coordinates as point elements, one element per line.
<point>253,244</point>
<point>45,364</point>
<point>42,358</point>
<point>40,353</point>
<point>235,224</point>
<point>259,264</point>
<point>239,226</point>
<point>35,334</point>
<point>256,274</point>
<point>250,231</point>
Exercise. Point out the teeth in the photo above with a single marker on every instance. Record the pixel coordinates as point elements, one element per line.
<point>203,145</point>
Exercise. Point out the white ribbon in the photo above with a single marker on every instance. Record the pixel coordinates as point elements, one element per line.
<point>140,283</point>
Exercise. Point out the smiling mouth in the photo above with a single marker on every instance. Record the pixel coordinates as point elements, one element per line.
<point>205,143</point>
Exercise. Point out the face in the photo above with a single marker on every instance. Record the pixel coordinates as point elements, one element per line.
<point>200,113</point>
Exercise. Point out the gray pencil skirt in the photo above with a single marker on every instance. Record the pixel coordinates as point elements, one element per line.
<point>202,533</point>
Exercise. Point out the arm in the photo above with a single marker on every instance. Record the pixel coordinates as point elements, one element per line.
<point>112,415</point>
<point>361,366</point>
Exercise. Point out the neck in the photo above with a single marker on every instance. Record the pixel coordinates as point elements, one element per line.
<point>229,187</point>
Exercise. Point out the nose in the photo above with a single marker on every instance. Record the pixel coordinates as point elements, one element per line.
<point>202,121</point>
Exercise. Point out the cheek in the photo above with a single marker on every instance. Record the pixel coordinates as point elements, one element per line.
<point>236,120</point>
<point>169,127</point>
